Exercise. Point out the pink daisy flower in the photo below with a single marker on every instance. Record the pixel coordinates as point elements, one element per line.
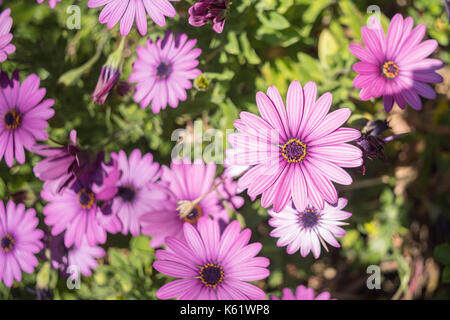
<point>302,293</point>
<point>137,189</point>
<point>185,181</point>
<point>23,116</point>
<point>396,66</point>
<point>212,266</point>
<point>164,71</point>
<point>51,3</point>
<point>20,240</point>
<point>6,48</point>
<point>306,229</point>
<point>127,11</point>
<point>295,151</point>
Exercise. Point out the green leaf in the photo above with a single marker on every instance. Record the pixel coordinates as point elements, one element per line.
<point>328,47</point>
<point>442,253</point>
<point>273,20</point>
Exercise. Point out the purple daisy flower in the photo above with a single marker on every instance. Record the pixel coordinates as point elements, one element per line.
<point>51,3</point>
<point>137,189</point>
<point>396,66</point>
<point>127,11</point>
<point>186,181</point>
<point>302,293</point>
<point>295,152</point>
<point>306,229</point>
<point>23,116</point>
<point>6,48</point>
<point>212,266</point>
<point>76,211</point>
<point>205,11</point>
<point>164,71</point>
<point>20,240</point>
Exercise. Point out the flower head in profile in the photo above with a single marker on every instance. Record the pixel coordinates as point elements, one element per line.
<point>372,143</point>
<point>294,152</point>
<point>6,48</point>
<point>395,65</point>
<point>23,116</point>
<point>20,240</point>
<point>204,11</point>
<point>128,11</point>
<point>84,257</point>
<point>189,182</point>
<point>62,163</point>
<point>302,293</point>
<point>211,265</point>
<point>51,3</point>
<point>306,229</point>
<point>164,71</point>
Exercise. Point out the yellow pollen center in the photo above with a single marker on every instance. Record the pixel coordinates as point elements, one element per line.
<point>294,150</point>
<point>86,199</point>
<point>194,215</point>
<point>390,69</point>
<point>12,119</point>
<point>211,275</point>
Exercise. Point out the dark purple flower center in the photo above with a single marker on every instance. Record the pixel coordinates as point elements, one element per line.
<point>12,119</point>
<point>127,193</point>
<point>211,275</point>
<point>86,198</point>
<point>294,150</point>
<point>309,218</point>
<point>7,243</point>
<point>194,215</point>
<point>390,69</point>
<point>163,70</point>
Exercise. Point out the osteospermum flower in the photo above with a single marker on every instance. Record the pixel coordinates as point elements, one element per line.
<point>164,71</point>
<point>306,229</point>
<point>396,66</point>
<point>137,189</point>
<point>82,259</point>
<point>127,11</point>
<point>302,293</point>
<point>204,11</point>
<point>62,164</point>
<point>20,240</point>
<point>6,48</point>
<point>51,3</point>
<point>186,181</point>
<point>212,265</point>
<point>23,116</point>
<point>294,152</point>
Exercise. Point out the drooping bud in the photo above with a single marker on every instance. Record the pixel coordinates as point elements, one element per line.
<point>205,11</point>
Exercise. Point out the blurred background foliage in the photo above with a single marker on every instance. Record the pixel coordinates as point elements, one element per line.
<point>401,215</point>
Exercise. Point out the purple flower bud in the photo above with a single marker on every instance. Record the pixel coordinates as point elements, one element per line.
<point>205,11</point>
<point>107,80</point>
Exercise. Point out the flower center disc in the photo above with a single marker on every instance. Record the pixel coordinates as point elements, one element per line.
<point>7,243</point>
<point>86,198</point>
<point>12,119</point>
<point>390,69</point>
<point>309,218</point>
<point>211,275</point>
<point>127,193</point>
<point>194,215</point>
<point>294,150</point>
<point>163,70</point>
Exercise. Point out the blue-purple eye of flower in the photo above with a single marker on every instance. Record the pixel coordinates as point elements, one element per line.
<point>194,215</point>
<point>390,69</point>
<point>7,243</point>
<point>294,150</point>
<point>163,70</point>
<point>12,119</point>
<point>127,193</point>
<point>86,198</point>
<point>309,218</point>
<point>211,275</point>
